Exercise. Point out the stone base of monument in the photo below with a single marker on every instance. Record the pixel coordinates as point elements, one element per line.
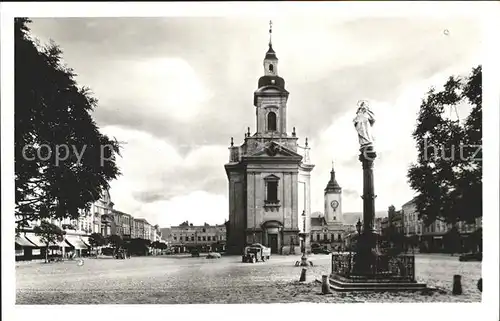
<point>344,284</point>
<point>384,273</point>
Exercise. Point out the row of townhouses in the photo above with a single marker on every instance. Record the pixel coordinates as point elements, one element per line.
<point>187,236</point>
<point>101,218</point>
<point>430,238</point>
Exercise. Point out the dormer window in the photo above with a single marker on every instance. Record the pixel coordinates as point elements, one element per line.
<point>271,121</point>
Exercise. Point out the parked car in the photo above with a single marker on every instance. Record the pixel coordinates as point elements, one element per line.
<point>320,250</point>
<point>213,255</point>
<point>195,253</point>
<point>471,257</point>
<point>256,252</point>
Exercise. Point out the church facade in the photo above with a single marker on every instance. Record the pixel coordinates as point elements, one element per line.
<point>269,174</point>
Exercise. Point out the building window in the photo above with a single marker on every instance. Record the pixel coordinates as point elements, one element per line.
<point>339,237</point>
<point>192,238</point>
<point>325,237</point>
<point>317,237</point>
<point>199,238</point>
<point>271,68</point>
<point>272,191</point>
<point>204,238</point>
<point>312,238</point>
<point>271,121</point>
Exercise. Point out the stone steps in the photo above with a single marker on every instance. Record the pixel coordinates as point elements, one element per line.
<point>340,284</point>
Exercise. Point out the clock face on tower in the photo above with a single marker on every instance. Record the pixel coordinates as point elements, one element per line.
<point>334,204</point>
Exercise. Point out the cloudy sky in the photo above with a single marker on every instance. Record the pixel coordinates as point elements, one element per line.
<point>176,89</point>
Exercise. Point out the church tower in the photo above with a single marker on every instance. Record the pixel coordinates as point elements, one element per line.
<point>269,174</point>
<point>333,200</point>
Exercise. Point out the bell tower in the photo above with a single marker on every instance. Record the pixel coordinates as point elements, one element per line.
<point>333,200</point>
<point>271,97</point>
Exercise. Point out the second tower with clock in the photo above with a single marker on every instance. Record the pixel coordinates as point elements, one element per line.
<point>333,200</point>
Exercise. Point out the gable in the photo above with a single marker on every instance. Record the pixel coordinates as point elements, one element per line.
<point>274,149</point>
<point>271,177</point>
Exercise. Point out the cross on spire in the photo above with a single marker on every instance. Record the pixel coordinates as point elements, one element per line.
<point>270,31</point>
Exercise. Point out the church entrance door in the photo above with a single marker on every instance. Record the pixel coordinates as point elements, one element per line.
<point>273,243</point>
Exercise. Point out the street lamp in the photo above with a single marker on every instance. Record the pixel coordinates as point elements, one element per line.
<point>303,235</point>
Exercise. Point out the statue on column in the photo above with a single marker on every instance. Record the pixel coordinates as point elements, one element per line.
<point>363,123</point>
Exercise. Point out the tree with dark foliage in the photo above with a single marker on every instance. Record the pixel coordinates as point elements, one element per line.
<point>62,161</point>
<point>96,240</point>
<point>116,242</point>
<point>49,234</point>
<point>448,172</point>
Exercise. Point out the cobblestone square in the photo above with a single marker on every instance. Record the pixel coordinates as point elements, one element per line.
<point>183,280</point>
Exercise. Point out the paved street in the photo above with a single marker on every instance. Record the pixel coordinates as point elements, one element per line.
<point>164,280</point>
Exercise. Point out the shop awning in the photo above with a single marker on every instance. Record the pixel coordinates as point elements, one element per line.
<point>75,242</point>
<point>23,241</point>
<point>38,242</point>
<point>85,240</point>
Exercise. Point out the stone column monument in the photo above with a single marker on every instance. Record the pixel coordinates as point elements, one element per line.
<point>369,268</point>
<point>363,123</point>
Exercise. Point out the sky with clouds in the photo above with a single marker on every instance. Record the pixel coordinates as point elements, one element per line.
<point>175,90</point>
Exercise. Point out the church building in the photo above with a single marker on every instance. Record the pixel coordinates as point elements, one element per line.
<point>269,174</point>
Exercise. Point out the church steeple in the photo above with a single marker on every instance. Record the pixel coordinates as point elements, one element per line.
<point>271,96</point>
<point>270,61</point>
<point>332,186</point>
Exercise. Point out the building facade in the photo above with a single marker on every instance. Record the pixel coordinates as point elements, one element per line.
<point>156,233</point>
<point>432,238</point>
<point>186,236</point>
<point>269,174</point>
<point>121,224</point>
<point>138,228</point>
<point>92,220</point>
<point>412,224</point>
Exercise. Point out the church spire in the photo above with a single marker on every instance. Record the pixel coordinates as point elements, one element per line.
<point>270,33</point>
<point>271,54</point>
<point>332,185</point>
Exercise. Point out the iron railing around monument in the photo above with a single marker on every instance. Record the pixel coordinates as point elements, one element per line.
<point>386,265</point>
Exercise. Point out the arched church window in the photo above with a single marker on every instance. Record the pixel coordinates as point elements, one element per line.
<point>271,68</point>
<point>271,121</point>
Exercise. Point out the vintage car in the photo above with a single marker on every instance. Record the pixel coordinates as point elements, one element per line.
<point>256,252</point>
<point>213,255</point>
<point>195,253</point>
<point>471,257</point>
<point>320,250</point>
